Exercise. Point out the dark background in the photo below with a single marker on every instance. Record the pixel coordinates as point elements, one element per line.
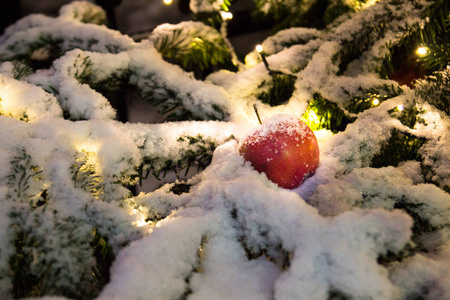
<point>137,17</point>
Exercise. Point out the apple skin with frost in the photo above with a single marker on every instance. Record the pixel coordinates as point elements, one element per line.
<point>284,148</point>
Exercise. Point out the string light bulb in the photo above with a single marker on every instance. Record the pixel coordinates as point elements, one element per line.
<point>226,15</point>
<point>312,117</point>
<point>167,2</point>
<point>421,51</point>
<point>259,48</point>
<point>375,102</point>
<point>400,107</point>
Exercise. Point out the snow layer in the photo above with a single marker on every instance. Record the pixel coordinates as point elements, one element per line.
<point>25,101</point>
<point>234,203</point>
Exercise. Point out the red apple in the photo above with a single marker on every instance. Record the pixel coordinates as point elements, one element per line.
<point>284,148</point>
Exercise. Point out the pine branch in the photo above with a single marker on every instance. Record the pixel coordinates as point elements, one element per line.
<point>82,67</point>
<point>402,145</point>
<point>48,260</point>
<point>358,39</point>
<point>410,116</point>
<point>21,69</point>
<point>194,151</point>
<point>435,36</point>
<point>85,175</point>
<point>85,12</point>
<point>171,102</point>
<point>209,6</point>
<point>435,89</point>
<point>24,180</point>
<point>276,9</point>
<point>399,148</point>
<point>24,283</point>
<point>280,89</point>
<point>104,257</point>
<point>370,97</point>
<point>432,33</point>
<point>42,42</point>
<point>192,45</point>
<point>178,101</point>
<point>69,273</point>
<point>324,114</point>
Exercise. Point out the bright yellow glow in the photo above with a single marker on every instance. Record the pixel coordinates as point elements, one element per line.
<point>228,133</point>
<point>87,164</point>
<point>87,147</point>
<point>226,15</point>
<point>375,102</point>
<point>368,3</point>
<point>91,151</point>
<point>141,218</point>
<point>140,223</point>
<point>254,120</point>
<point>422,51</point>
<point>400,107</point>
<point>259,48</point>
<point>312,117</point>
<point>167,2</point>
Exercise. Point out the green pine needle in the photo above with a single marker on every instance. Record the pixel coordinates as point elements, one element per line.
<point>324,114</point>
<point>192,52</point>
<point>399,148</point>
<point>368,96</point>
<point>280,89</point>
<point>435,89</point>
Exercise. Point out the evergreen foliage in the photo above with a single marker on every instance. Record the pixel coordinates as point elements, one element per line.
<point>324,114</point>
<point>280,88</point>
<point>399,148</point>
<point>435,89</point>
<point>21,180</point>
<point>375,209</point>
<point>21,69</point>
<point>367,97</point>
<point>208,11</point>
<point>432,34</point>
<point>195,151</point>
<point>189,46</point>
<point>295,13</point>
<point>85,176</point>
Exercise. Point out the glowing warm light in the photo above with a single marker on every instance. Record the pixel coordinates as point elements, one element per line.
<point>228,133</point>
<point>141,218</point>
<point>167,2</point>
<point>375,102</point>
<point>254,120</point>
<point>259,48</point>
<point>140,223</point>
<point>368,3</point>
<point>226,15</point>
<point>422,51</point>
<point>89,151</point>
<point>312,117</point>
<point>87,147</point>
<point>400,107</point>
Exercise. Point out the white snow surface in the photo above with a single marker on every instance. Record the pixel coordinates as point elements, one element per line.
<point>26,101</point>
<point>348,247</point>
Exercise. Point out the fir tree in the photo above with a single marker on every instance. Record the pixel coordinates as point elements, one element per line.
<point>371,78</point>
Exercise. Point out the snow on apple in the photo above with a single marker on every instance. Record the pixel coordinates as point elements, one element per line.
<point>284,148</point>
